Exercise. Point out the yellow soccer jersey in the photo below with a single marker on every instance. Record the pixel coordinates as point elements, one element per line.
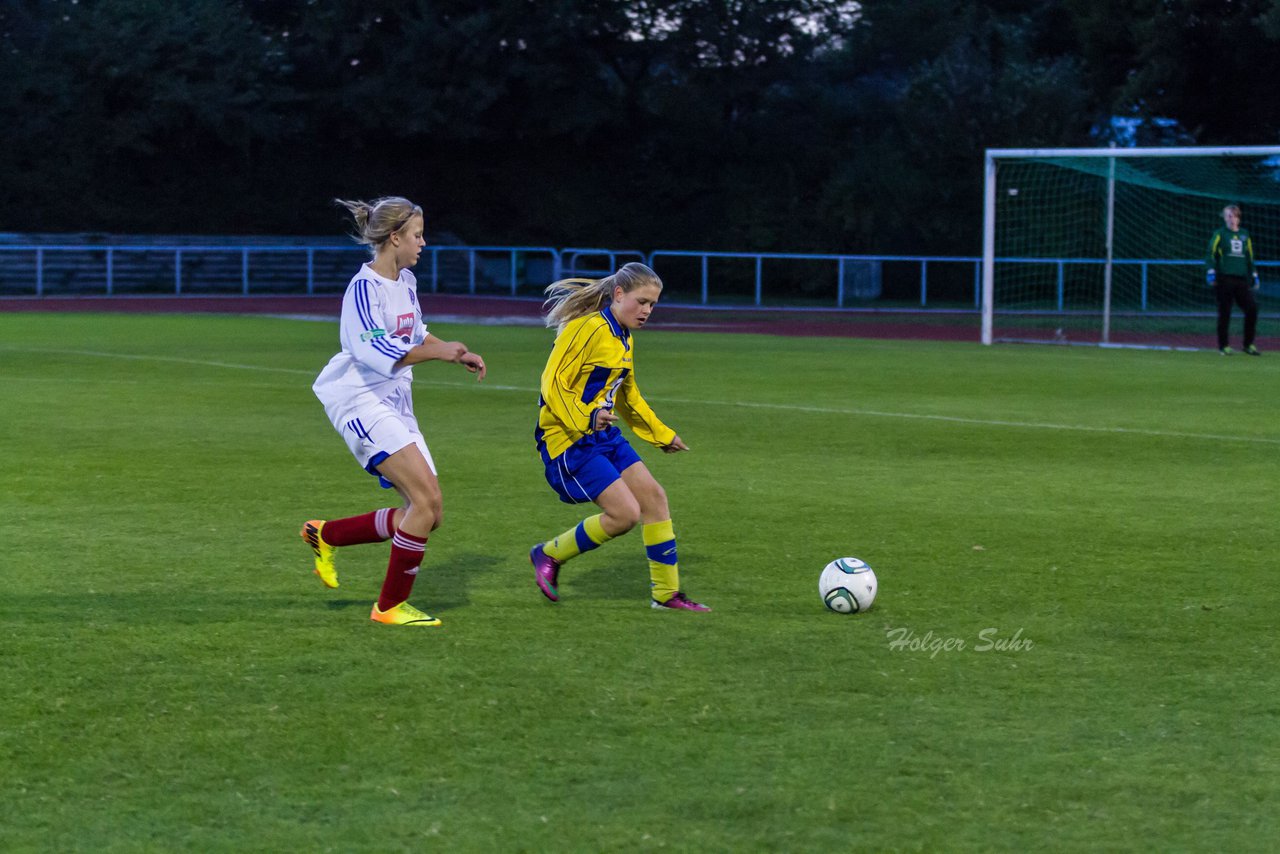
<point>591,367</point>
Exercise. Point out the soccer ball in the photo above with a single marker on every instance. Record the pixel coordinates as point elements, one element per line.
<point>847,585</point>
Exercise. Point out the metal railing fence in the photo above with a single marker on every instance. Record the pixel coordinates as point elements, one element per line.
<point>708,278</point>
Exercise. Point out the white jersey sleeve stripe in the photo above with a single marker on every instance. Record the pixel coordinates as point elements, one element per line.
<point>388,349</point>
<point>361,293</point>
<point>362,304</point>
<point>364,309</point>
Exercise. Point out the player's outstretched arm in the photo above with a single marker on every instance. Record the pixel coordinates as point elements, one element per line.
<point>434,349</point>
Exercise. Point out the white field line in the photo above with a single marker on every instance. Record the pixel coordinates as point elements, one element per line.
<point>989,422</point>
<point>785,407</point>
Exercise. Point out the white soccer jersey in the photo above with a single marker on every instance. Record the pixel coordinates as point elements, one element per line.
<point>381,322</point>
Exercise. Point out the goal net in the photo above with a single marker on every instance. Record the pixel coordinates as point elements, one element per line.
<point>1107,246</point>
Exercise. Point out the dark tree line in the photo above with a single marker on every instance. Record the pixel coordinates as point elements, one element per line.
<point>788,125</point>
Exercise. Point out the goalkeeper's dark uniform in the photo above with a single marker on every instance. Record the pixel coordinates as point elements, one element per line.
<point>1230,271</point>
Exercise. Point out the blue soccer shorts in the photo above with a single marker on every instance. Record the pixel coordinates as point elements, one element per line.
<point>590,466</point>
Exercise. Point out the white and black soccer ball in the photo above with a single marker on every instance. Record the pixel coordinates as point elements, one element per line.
<point>847,585</point>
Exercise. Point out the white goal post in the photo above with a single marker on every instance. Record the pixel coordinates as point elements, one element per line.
<point>1105,246</point>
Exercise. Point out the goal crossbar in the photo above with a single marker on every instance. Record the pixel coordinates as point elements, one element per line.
<point>994,155</point>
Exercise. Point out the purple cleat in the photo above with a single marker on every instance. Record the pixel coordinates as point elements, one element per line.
<point>680,602</point>
<point>546,570</point>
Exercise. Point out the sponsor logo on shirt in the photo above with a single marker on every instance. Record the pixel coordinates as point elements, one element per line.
<point>373,333</point>
<point>404,326</point>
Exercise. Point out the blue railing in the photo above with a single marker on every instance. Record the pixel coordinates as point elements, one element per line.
<point>716,277</point>
<point>1144,267</point>
<point>842,266</point>
<point>257,268</point>
<point>586,262</point>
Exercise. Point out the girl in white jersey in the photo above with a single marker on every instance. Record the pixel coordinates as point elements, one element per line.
<point>366,393</point>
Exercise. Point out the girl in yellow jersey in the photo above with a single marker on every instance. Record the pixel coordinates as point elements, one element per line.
<point>588,384</point>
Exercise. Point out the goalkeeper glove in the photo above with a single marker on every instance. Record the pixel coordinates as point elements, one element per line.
<point>1256,283</point>
<point>1210,276</point>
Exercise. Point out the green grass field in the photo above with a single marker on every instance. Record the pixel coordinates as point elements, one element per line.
<point>176,679</point>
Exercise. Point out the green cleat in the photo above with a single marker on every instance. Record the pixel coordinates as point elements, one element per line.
<point>1227,351</point>
<point>1252,350</point>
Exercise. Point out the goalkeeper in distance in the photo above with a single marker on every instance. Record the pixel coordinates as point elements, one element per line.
<point>1230,271</point>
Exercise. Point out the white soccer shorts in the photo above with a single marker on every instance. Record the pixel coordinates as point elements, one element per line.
<point>378,431</point>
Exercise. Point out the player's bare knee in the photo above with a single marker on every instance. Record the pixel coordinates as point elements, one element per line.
<point>655,502</point>
<point>423,512</point>
<point>432,512</point>
<point>626,517</point>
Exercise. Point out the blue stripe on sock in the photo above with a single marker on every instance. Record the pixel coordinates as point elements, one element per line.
<point>662,552</point>
<point>585,543</point>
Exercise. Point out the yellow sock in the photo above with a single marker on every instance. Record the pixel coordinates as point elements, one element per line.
<point>664,573</point>
<point>582,537</point>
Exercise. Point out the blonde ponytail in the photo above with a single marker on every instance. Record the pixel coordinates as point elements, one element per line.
<point>569,299</point>
<point>376,221</point>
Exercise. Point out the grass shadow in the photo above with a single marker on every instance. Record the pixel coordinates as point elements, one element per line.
<point>618,579</point>
<point>443,586</point>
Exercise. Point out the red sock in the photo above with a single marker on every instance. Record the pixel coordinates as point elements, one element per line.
<point>402,569</point>
<point>372,527</point>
